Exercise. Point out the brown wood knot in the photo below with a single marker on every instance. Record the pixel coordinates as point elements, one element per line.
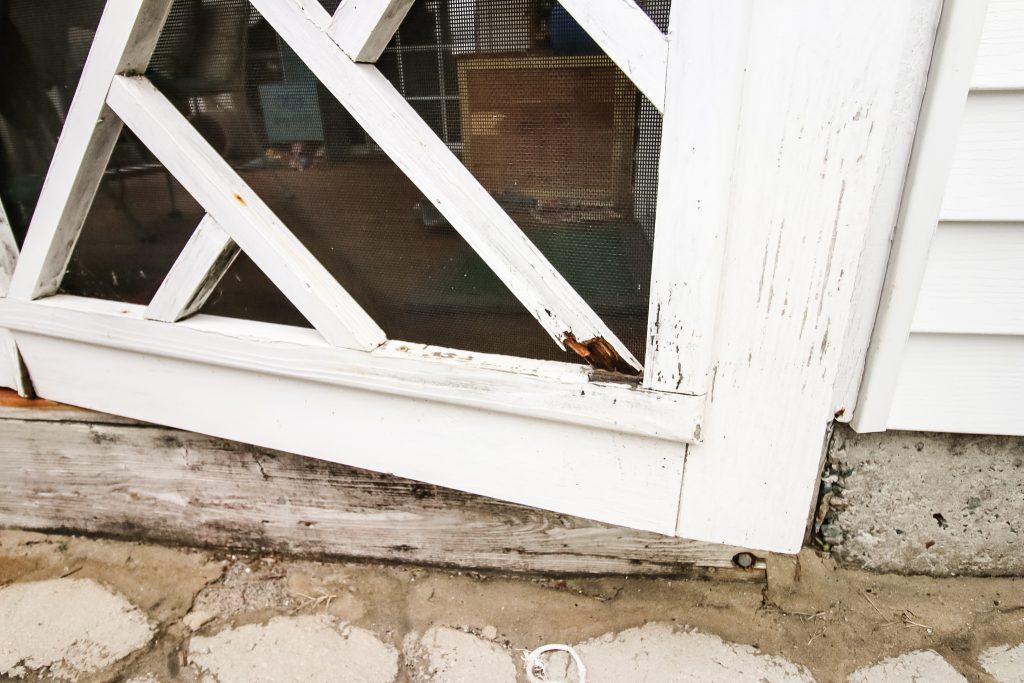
<point>238,198</point>
<point>599,353</point>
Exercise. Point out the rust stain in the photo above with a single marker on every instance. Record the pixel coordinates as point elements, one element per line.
<point>238,198</point>
<point>599,353</point>
<point>11,399</point>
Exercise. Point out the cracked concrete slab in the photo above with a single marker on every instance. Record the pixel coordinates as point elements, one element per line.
<point>923,666</point>
<point>1004,663</point>
<point>824,620</point>
<point>447,655</point>
<point>64,628</point>
<point>303,649</point>
<point>662,653</point>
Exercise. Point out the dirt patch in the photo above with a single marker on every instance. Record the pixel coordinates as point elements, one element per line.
<point>825,618</point>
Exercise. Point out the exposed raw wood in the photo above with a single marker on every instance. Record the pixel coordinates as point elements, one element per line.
<point>823,81</point>
<point>707,61</point>
<point>960,383</point>
<point>392,122</point>
<point>243,215</point>
<point>363,28</point>
<point>974,281</point>
<point>1000,64</point>
<point>195,274</point>
<point>145,482</point>
<point>537,389</point>
<point>956,46</point>
<point>988,167</point>
<point>626,33</point>
<point>124,41</point>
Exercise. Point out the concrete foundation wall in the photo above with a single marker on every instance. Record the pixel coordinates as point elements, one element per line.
<point>915,502</point>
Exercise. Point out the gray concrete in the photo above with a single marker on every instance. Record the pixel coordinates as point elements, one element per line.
<point>447,655</point>
<point>1005,663</point>
<point>914,667</point>
<point>938,504</point>
<point>310,649</point>
<point>65,628</point>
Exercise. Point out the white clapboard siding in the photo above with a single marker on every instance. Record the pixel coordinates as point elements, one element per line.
<point>961,368</point>
<point>974,280</point>
<point>1000,64</point>
<point>988,167</point>
<point>961,383</point>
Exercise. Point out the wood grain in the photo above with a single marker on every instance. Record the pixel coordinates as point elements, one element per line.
<point>133,480</point>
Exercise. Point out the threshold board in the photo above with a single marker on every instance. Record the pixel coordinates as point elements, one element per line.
<point>78,471</point>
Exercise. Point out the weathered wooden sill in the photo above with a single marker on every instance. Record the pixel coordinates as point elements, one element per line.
<point>69,469</point>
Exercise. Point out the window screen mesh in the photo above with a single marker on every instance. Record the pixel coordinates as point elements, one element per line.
<point>548,125</point>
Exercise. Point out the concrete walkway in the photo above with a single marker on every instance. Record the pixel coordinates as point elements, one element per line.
<point>84,610</point>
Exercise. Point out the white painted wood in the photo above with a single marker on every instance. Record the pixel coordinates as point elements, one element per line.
<point>124,41</point>
<point>363,28</point>
<point>319,409</point>
<point>956,46</point>
<point>243,215</point>
<point>823,82</point>
<point>961,383</point>
<point>870,274</point>
<point>628,36</point>
<point>544,390</point>
<point>12,372</point>
<point>988,167</point>
<point>974,281</point>
<point>396,127</point>
<point>195,274</point>
<point>1000,64</point>
<point>707,59</point>
<point>94,473</point>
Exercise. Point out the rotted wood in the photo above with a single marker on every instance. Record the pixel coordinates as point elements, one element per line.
<point>83,472</point>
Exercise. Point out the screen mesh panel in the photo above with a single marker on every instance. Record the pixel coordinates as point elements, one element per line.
<point>547,124</point>
<point>43,45</point>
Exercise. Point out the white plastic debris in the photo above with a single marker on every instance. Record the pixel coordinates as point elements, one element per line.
<point>534,663</point>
